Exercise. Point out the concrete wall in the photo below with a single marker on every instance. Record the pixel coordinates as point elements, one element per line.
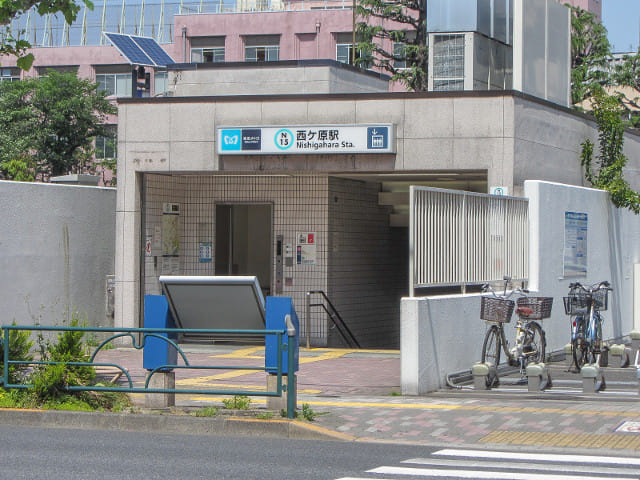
<point>262,79</point>
<point>57,247</point>
<point>443,335</point>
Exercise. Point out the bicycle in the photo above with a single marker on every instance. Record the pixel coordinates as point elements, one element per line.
<point>530,341</point>
<point>583,305</point>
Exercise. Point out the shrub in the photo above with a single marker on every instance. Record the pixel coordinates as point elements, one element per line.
<point>19,349</point>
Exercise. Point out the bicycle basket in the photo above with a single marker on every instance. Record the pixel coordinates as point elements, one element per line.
<point>495,309</point>
<point>576,304</point>
<point>601,299</point>
<point>541,306</point>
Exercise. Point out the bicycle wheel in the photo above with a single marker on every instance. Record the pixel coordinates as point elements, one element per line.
<point>596,340</point>
<point>491,346</point>
<point>535,343</point>
<point>579,345</point>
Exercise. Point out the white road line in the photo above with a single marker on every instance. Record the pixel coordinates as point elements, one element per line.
<point>592,469</point>
<point>542,457</point>
<point>477,474</point>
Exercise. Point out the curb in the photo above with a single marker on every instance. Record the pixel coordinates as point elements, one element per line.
<point>167,423</point>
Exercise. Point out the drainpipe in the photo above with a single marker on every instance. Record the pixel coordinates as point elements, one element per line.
<point>184,44</point>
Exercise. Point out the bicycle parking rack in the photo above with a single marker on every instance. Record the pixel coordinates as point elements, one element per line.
<point>538,377</point>
<point>484,375</point>
<point>620,355</point>
<point>592,378</point>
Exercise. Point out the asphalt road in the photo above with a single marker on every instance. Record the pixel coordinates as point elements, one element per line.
<point>28,453</point>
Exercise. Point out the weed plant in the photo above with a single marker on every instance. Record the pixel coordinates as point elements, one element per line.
<point>238,402</point>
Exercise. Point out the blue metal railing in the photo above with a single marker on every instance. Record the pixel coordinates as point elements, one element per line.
<point>282,347</point>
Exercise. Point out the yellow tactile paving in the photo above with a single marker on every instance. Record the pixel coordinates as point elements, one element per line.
<point>572,440</point>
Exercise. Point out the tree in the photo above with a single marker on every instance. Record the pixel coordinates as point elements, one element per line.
<point>10,9</point>
<point>607,173</point>
<point>627,73</point>
<point>50,123</point>
<point>590,54</point>
<point>399,48</point>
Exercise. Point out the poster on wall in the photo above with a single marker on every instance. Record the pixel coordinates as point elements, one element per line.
<point>205,252</point>
<point>306,248</point>
<point>170,229</point>
<point>575,244</point>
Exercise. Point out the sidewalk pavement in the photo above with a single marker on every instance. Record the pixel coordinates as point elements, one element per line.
<point>355,395</point>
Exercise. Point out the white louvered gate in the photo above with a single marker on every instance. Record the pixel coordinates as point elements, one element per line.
<point>464,238</point>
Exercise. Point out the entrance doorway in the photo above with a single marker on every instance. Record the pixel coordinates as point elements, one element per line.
<point>244,241</point>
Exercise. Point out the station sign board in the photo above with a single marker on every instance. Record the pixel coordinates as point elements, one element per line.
<point>306,139</point>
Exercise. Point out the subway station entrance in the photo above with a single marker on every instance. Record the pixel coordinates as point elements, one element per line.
<point>343,234</point>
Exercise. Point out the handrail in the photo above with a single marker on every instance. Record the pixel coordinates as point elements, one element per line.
<point>342,327</point>
<point>283,344</point>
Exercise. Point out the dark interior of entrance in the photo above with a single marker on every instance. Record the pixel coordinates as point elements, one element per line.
<point>243,241</point>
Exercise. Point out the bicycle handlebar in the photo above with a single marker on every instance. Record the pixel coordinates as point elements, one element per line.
<point>515,290</point>
<point>604,285</point>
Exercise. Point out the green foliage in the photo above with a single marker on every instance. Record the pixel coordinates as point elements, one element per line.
<point>19,349</point>
<point>206,412</point>
<point>307,413</point>
<point>49,123</point>
<point>265,416</point>
<point>9,9</point>
<point>385,23</point>
<point>606,170</point>
<point>590,54</point>
<point>238,402</point>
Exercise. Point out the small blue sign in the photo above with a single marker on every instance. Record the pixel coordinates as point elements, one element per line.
<point>230,140</point>
<point>377,138</point>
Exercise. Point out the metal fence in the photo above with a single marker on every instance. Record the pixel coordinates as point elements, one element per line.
<point>463,238</point>
<point>164,334</point>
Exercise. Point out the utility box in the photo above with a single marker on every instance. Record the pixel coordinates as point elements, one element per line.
<point>276,309</point>
<point>158,352</point>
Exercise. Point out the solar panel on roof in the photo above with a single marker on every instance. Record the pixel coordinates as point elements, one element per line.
<point>129,49</point>
<point>140,50</point>
<point>153,50</point>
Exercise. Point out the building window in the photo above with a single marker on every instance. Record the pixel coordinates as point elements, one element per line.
<point>116,84</point>
<point>344,48</point>
<point>106,147</point>
<point>9,74</point>
<point>448,62</point>
<point>399,55</point>
<point>207,55</point>
<point>160,82</point>
<point>207,49</point>
<point>44,71</point>
<point>262,48</point>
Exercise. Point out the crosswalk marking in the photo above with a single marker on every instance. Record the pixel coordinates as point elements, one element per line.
<point>523,466</point>
<point>627,461</point>
<point>499,465</point>
<point>477,474</point>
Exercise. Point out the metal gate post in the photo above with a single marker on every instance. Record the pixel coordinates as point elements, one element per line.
<point>292,390</point>
<point>5,341</point>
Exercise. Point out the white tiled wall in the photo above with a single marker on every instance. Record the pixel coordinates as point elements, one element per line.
<point>299,205</point>
<point>368,264</point>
